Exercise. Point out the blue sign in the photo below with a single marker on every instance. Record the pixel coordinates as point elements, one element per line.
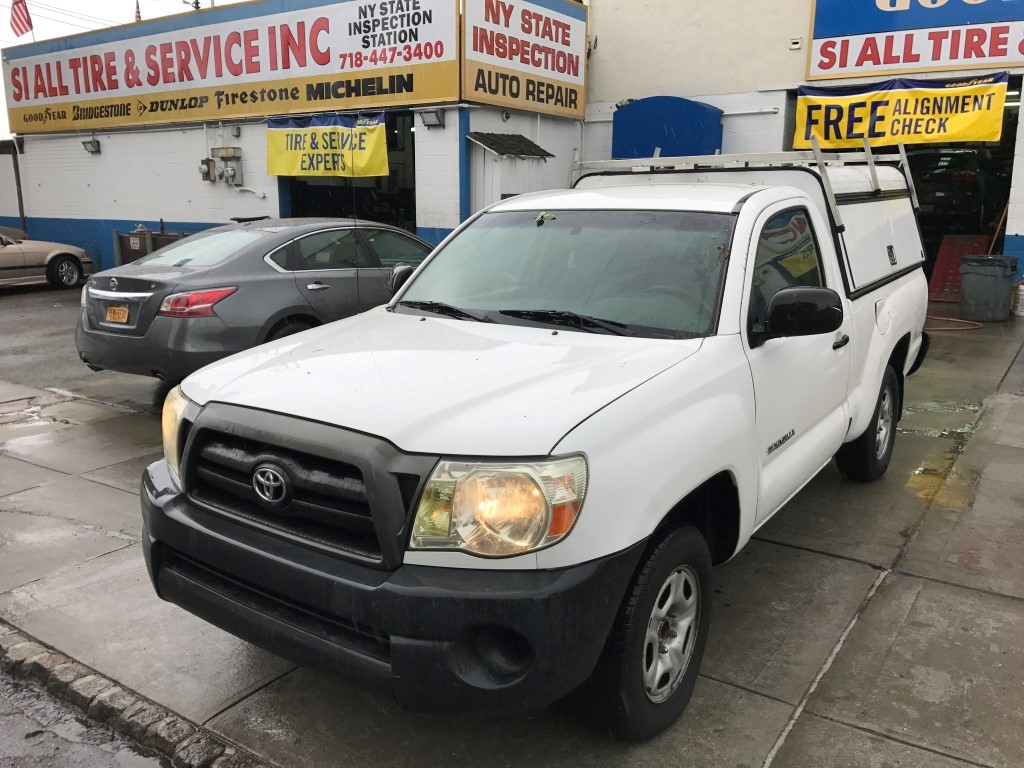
<point>839,18</point>
<point>860,38</point>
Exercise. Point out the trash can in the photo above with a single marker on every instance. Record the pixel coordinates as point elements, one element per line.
<point>987,287</point>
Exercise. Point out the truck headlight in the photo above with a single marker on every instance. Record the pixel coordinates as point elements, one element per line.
<point>496,509</point>
<point>174,409</point>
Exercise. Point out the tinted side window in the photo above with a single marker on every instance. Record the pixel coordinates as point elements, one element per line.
<point>280,257</point>
<point>393,248</point>
<point>787,256</point>
<point>337,249</point>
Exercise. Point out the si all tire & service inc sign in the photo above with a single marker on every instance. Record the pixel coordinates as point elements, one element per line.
<point>859,38</point>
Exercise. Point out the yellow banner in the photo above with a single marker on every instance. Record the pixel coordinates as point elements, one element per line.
<point>909,111</point>
<point>327,145</point>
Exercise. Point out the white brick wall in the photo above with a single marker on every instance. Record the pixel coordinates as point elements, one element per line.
<point>145,175</point>
<point>8,188</point>
<point>741,133</point>
<point>437,174</point>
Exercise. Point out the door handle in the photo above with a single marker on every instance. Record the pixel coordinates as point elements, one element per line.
<point>841,342</point>
<point>318,287</point>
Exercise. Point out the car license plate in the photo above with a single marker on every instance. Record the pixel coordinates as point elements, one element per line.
<point>926,208</point>
<point>117,314</point>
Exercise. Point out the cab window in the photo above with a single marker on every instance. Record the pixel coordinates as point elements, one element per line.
<point>787,256</point>
<point>393,248</point>
<point>336,249</point>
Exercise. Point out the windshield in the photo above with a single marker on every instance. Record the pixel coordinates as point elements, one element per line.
<point>648,273</point>
<point>205,249</point>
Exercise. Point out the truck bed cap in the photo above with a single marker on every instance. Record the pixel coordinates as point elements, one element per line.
<point>714,198</point>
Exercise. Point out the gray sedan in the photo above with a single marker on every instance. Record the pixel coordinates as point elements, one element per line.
<point>230,288</point>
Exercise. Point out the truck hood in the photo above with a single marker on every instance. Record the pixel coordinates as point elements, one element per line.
<point>436,385</point>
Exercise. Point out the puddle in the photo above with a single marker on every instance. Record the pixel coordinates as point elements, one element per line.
<point>57,718</point>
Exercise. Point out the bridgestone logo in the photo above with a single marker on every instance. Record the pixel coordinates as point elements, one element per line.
<point>102,112</point>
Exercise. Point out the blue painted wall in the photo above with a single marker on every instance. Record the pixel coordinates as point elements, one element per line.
<point>433,235</point>
<point>1014,246</point>
<point>94,235</point>
<point>678,127</point>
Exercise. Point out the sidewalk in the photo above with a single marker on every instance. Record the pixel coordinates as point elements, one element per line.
<point>865,625</point>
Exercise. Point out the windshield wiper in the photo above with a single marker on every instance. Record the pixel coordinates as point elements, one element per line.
<point>440,308</point>
<point>573,319</point>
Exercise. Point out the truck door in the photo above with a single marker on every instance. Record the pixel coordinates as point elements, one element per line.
<point>800,383</point>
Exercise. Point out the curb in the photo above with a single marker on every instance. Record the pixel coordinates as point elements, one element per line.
<point>184,743</point>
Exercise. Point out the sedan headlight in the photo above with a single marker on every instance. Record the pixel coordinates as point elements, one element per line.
<point>174,409</point>
<point>496,509</point>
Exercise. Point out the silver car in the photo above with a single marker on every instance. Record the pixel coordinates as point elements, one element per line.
<point>24,261</point>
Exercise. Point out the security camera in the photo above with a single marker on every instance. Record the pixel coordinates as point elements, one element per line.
<point>506,116</point>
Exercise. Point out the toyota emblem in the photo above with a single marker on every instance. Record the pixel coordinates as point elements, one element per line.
<point>270,485</point>
<point>113,283</point>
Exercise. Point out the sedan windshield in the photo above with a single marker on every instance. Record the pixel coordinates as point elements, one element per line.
<point>630,273</point>
<point>205,249</point>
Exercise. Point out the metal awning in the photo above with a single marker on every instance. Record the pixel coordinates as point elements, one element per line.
<point>508,145</point>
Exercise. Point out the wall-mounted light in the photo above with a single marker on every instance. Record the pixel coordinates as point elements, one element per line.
<point>432,118</point>
<point>92,146</point>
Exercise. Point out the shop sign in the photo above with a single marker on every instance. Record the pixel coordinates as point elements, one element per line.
<point>251,59</point>
<point>526,54</point>
<point>910,111</point>
<point>327,145</point>
<point>857,38</point>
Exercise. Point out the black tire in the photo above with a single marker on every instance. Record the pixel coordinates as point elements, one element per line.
<point>64,272</point>
<point>287,328</point>
<point>867,458</point>
<point>619,688</point>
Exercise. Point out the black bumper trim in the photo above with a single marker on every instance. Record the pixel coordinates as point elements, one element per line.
<point>436,638</point>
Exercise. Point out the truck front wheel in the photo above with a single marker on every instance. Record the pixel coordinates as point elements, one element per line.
<point>646,675</point>
<point>867,458</point>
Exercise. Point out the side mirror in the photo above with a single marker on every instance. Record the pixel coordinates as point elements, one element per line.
<point>399,276</point>
<point>802,312</point>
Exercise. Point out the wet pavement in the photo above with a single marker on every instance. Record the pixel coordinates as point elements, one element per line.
<point>865,625</point>
<point>36,731</point>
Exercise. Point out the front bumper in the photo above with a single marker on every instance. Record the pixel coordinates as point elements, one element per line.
<point>171,349</point>
<point>446,638</point>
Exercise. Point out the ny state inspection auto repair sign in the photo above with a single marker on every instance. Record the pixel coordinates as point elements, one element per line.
<point>526,54</point>
<point>251,59</point>
<point>859,38</point>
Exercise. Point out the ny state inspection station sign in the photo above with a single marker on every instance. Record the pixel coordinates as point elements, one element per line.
<point>862,38</point>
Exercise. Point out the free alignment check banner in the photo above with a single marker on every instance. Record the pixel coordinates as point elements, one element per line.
<point>910,111</point>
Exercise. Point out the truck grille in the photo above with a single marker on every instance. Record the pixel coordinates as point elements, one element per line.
<point>328,508</point>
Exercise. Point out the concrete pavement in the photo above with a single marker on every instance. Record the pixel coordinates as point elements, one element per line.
<point>866,625</point>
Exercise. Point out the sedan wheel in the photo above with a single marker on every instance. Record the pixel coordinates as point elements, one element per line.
<point>64,272</point>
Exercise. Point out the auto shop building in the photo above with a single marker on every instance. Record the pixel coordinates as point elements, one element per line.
<point>410,112</point>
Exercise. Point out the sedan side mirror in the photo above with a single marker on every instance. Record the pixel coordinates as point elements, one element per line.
<point>802,312</point>
<point>399,276</point>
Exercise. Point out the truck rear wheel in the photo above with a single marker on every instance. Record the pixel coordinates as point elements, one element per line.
<point>646,675</point>
<point>867,458</point>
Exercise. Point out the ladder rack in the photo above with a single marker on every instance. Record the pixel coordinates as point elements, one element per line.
<point>815,157</point>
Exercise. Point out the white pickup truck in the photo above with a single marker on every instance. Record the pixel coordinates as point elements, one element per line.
<point>515,478</point>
